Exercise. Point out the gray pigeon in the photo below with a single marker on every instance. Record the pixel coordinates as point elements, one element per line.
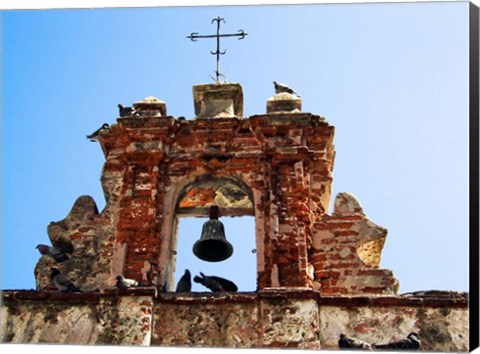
<point>352,343</point>
<point>279,88</point>
<point>215,283</point>
<point>124,283</point>
<point>58,255</point>
<point>61,283</point>
<point>184,284</point>
<point>125,111</point>
<point>104,129</point>
<point>412,342</point>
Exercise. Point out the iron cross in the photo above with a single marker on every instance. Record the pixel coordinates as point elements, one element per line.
<point>194,36</point>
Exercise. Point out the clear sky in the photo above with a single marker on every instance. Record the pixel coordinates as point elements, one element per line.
<point>392,78</point>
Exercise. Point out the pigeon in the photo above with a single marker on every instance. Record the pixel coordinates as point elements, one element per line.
<point>279,88</point>
<point>125,111</point>
<point>61,283</point>
<point>412,342</point>
<point>57,254</point>
<point>184,284</point>
<point>215,283</point>
<point>124,283</point>
<point>105,128</point>
<point>352,343</point>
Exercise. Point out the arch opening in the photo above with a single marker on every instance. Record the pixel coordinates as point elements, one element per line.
<point>235,201</point>
<point>239,268</point>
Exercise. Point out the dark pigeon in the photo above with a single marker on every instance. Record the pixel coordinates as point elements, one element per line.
<point>215,283</point>
<point>104,129</point>
<point>185,283</point>
<point>57,254</point>
<point>279,88</point>
<point>61,283</point>
<point>412,342</point>
<point>352,343</point>
<point>125,111</point>
<point>124,283</point>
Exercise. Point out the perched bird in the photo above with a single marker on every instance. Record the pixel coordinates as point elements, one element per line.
<point>412,342</point>
<point>125,111</point>
<point>61,283</point>
<point>105,128</point>
<point>184,284</point>
<point>215,283</point>
<point>352,343</point>
<point>124,283</point>
<point>57,254</point>
<point>279,88</point>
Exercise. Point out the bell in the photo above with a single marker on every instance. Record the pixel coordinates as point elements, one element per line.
<point>213,246</point>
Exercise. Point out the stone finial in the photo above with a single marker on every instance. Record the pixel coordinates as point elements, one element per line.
<point>218,100</point>
<point>284,102</point>
<point>347,252</point>
<point>150,106</point>
<point>347,204</point>
<point>371,236</point>
<point>77,235</point>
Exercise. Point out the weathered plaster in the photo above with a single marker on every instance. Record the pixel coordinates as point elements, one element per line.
<point>276,317</point>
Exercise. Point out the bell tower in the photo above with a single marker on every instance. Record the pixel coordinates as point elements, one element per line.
<point>318,275</point>
<point>276,167</point>
<point>318,272</point>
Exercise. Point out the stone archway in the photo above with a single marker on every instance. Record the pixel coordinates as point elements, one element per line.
<point>235,201</point>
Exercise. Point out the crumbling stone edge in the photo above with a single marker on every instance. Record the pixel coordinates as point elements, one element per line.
<point>441,299</point>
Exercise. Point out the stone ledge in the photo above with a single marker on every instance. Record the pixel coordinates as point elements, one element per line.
<point>288,293</point>
<point>76,297</point>
<point>207,297</point>
<point>393,301</point>
<point>421,299</point>
<point>281,117</point>
<point>150,122</point>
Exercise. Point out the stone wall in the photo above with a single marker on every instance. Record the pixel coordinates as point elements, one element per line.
<point>58,318</point>
<point>274,318</point>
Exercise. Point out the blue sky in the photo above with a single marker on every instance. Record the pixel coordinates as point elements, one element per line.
<point>392,78</point>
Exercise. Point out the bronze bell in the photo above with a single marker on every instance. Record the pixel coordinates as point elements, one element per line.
<point>213,246</point>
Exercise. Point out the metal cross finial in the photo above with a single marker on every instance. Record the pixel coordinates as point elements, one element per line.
<point>194,36</point>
